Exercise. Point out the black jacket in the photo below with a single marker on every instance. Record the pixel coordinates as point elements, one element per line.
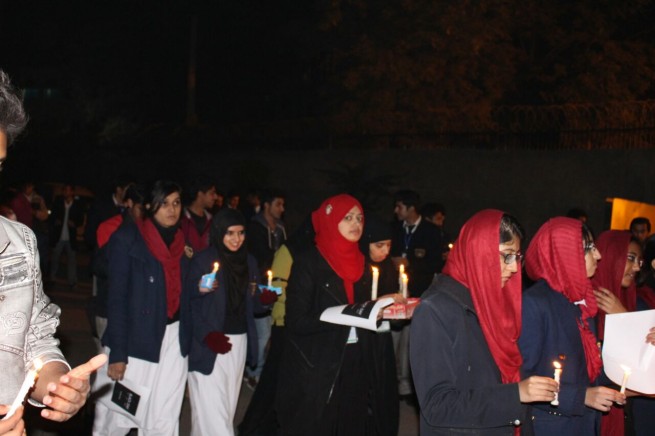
<point>457,381</point>
<point>314,350</point>
<point>75,215</point>
<point>423,251</point>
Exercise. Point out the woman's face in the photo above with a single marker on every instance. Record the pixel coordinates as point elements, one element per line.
<point>234,237</point>
<point>351,225</point>
<point>632,264</point>
<point>378,251</point>
<point>512,247</point>
<point>591,258</point>
<point>169,212</point>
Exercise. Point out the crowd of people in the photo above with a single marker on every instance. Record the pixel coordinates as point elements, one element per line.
<point>199,295</point>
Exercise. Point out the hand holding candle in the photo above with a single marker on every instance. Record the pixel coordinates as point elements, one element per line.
<point>207,280</point>
<point>556,376</point>
<point>374,283</point>
<point>30,378</point>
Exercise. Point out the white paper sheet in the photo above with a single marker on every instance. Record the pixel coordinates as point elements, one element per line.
<point>625,344</point>
<point>362,315</point>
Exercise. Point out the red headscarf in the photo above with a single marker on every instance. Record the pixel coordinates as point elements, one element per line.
<point>613,246</point>
<point>169,257</point>
<point>474,261</point>
<point>556,255</point>
<point>342,255</point>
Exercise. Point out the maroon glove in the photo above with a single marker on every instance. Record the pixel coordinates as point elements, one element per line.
<point>218,342</point>
<point>267,297</point>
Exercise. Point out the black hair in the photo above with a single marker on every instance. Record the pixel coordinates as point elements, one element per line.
<point>408,198</point>
<point>134,192</point>
<point>199,184</point>
<point>431,209</point>
<point>268,196</point>
<point>13,118</point>
<point>587,236</point>
<point>640,220</point>
<point>157,195</point>
<point>510,228</point>
<point>577,213</point>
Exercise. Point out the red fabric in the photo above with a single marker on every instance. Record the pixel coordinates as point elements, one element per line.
<point>107,228</point>
<point>22,207</point>
<point>169,259</point>
<point>613,247</point>
<point>342,255</point>
<point>647,294</point>
<point>556,254</point>
<point>218,342</point>
<point>267,297</point>
<point>197,241</point>
<point>474,261</point>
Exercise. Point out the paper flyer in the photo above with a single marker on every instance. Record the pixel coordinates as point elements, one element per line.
<point>625,347</point>
<point>362,315</point>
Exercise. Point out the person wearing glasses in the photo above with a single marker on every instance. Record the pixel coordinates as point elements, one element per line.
<point>558,328</point>
<point>464,354</point>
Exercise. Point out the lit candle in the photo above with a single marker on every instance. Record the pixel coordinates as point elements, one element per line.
<point>626,373</point>
<point>374,283</point>
<point>556,376</point>
<point>215,270</point>
<point>269,273</point>
<point>27,385</point>
<point>401,273</point>
<point>404,288</point>
<point>450,246</point>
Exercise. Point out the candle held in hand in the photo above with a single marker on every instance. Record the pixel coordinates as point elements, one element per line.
<point>404,288</point>
<point>556,376</point>
<point>374,283</point>
<point>626,374</point>
<point>25,387</point>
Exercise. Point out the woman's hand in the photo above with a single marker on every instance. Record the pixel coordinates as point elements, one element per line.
<point>116,371</point>
<point>609,302</point>
<point>397,298</point>
<point>602,398</point>
<point>537,388</point>
<point>13,426</point>
<point>207,290</point>
<point>650,338</point>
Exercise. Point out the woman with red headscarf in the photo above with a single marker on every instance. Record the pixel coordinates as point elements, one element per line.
<point>463,342</point>
<point>558,313</point>
<point>331,380</point>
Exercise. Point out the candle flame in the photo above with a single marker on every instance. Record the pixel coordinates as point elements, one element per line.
<point>557,365</point>
<point>450,246</point>
<point>626,369</point>
<point>402,269</point>
<point>404,277</point>
<point>38,364</point>
<point>215,267</point>
<point>375,270</point>
<point>269,273</point>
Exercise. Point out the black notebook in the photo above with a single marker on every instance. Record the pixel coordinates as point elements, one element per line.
<point>125,398</point>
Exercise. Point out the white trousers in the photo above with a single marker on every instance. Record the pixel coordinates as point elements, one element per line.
<point>166,379</point>
<point>214,397</point>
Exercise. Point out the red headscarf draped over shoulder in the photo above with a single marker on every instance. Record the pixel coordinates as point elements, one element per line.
<point>556,254</point>
<point>613,246</point>
<point>342,255</point>
<point>474,261</point>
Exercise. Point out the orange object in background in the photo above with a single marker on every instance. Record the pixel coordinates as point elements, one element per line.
<point>624,211</point>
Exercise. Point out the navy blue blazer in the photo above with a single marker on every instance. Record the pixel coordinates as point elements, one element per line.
<point>136,304</point>
<point>208,310</point>
<point>549,331</point>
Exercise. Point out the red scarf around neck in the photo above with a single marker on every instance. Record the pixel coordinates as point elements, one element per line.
<point>342,255</point>
<point>556,255</point>
<point>169,259</point>
<point>474,261</point>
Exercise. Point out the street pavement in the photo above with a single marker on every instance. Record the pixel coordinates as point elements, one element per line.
<point>78,346</point>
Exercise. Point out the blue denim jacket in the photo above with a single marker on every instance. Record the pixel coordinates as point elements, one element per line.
<point>28,320</point>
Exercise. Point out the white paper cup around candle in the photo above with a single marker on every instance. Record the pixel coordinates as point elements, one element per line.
<point>25,387</point>
<point>556,376</point>
<point>626,374</point>
<point>374,283</point>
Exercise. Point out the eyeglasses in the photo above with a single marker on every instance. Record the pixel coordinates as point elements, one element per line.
<point>510,258</point>
<point>635,260</point>
<point>588,248</point>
